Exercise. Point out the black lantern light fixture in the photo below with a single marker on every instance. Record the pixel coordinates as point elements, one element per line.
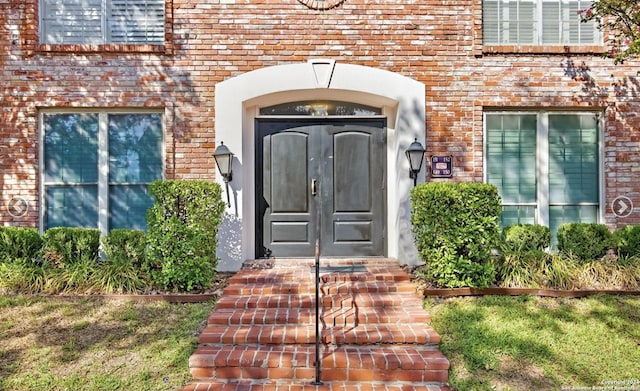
<point>415,155</point>
<point>224,161</point>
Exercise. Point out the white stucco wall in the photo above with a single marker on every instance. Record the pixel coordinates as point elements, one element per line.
<point>237,101</point>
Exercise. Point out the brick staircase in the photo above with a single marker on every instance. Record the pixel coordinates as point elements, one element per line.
<point>374,332</point>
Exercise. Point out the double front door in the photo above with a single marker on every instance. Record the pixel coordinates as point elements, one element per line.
<point>320,183</point>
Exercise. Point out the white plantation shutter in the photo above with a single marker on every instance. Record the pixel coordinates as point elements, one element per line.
<point>538,22</point>
<point>102,21</point>
<point>136,21</point>
<point>71,21</point>
<point>491,22</point>
<point>509,21</point>
<point>562,25</point>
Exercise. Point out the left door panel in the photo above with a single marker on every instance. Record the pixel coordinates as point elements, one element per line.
<point>286,201</point>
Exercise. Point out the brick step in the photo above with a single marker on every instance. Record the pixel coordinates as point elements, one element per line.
<point>345,300</point>
<point>287,263</point>
<point>286,362</point>
<point>305,275</point>
<point>302,386</point>
<point>375,334</point>
<point>412,333</point>
<point>306,287</point>
<point>304,316</point>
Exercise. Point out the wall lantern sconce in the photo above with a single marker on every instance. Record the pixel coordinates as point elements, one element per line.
<point>224,161</point>
<point>415,155</point>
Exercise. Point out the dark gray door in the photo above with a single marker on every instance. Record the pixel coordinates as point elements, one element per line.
<point>320,180</point>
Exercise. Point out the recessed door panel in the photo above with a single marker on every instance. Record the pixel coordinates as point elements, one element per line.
<point>351,167</point>
<point>320,181</point>
<point>289,172</point>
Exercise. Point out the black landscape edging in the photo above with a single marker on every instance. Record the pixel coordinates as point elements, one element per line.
<point>450,292</point>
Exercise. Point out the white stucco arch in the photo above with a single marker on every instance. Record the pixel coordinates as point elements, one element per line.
<point>237,103</point>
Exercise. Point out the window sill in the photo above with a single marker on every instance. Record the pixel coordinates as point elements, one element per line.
<point>544,49</point>
<point>102,48</point>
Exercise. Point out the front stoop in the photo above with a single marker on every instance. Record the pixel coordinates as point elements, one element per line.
<point>375,334</point>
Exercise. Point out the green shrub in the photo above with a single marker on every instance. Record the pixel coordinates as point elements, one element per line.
<point>586,241</point>
<point>558,271</point>
<point>21,276</point>
<point>118,275</point>
<point>455,226</point>
<point>125,244</point>
<point>608,275</point>
<point>525,237</point>
<point>124,270</point>
<point>67,245</point>
<point>181,241</point>
<point>19,243</point>
<point>520,269</point>
<point>72,277</point>
<point>628,240</point>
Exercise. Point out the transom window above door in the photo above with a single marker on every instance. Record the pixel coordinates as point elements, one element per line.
<point>537,22</point>
<point>102,21</point>
<point>321,108</point>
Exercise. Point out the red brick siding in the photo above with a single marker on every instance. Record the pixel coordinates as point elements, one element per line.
<point>438,43</point>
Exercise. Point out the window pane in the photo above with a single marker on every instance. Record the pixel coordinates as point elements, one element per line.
<point>128,206</point>
<point>135,148</point>
<point>517,215</point>
<point>490,22</point>
<point>71,206</point>
<point>573,158</point>
<point>562,214</point>
<point>511,156</point>
<point>516,22</point>
<point>509,21</point>
<point>562,24</point>
<point>71,21</point>
<point>71,148</point>
<point>85,21</point>
<point>136,21</point>
<point>320,108</point>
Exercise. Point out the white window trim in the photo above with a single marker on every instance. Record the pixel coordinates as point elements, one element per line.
<point>103,158</point>
<point>542,160</point>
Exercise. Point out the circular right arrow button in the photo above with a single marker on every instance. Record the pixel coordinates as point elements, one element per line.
<point>622,206</point>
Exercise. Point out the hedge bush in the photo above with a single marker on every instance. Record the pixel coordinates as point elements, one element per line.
<point>628,240</point>
<point>125,244</point>
<point>456,228</point>
<point>68,245</point>
<point>181,241</point>
<point>19,243</point>
<point>586,241</point>
<point>525,237</point>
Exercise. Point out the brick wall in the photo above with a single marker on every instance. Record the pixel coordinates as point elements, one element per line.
<point>435,42</point>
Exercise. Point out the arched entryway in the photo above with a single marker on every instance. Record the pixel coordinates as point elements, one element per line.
<point>400,101</point>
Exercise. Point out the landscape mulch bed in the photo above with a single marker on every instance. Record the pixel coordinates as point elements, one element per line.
<point>216,290</point>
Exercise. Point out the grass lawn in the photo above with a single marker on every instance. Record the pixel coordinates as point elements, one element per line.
<point>493,343</point>
<point>531,343</point>
<point>96,344</point>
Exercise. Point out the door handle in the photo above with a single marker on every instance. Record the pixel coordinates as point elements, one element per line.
<point>314,187</point>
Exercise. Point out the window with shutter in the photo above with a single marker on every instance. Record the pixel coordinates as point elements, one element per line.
<point>102,21</point>
<point>537,22</point>
<point>545,165</point>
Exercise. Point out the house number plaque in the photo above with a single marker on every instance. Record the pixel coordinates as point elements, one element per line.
<point>441,166</point>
